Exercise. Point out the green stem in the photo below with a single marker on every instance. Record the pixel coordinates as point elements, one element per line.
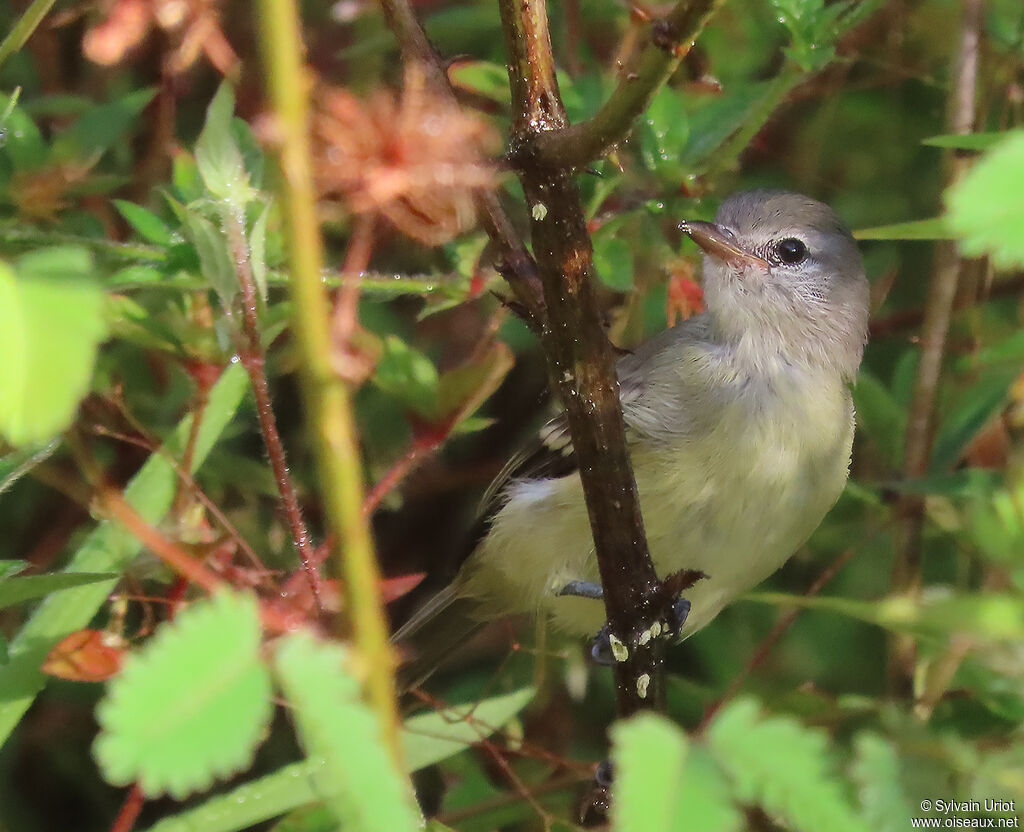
<point>24,28</point>
<point>327,399</point>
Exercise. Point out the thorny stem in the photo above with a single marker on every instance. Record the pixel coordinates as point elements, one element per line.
<point>328,401</point>
<point>253,359</point>
<point>938,309</point>
<point>581,362</point>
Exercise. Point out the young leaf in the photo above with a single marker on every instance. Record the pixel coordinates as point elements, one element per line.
<point>409,375</point>
<point>218,157</point>
<point>779,764</point>
<point>192,705</point>
<point>613,261</point>
<point>50,328</point>
<point>258,251</point>
<point>361,785</point>
<point>214,259</point>
<point>985,206</point>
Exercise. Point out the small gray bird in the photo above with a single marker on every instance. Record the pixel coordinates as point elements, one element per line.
<point>739,423</point>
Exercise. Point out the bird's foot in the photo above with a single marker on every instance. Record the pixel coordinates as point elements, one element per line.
<point>607,648</point>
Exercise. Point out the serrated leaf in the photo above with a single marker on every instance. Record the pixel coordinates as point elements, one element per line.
<point>986,208</point>
<point>217,154</point>
<point>648,754</point>
<point>214,258</point>
<point>111,548</point>
<point>148,225</point>
<point>931,229</point>
<point>192,705</point>
<point>427,739</point>
<point>876,771</point>
<point>16,590</point>
<point>360,782</point>
<point>50,329</point>
<point>782,766</point>
<point>258,251</point>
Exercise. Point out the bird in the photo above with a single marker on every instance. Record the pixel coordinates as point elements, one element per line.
<point>739,423</point>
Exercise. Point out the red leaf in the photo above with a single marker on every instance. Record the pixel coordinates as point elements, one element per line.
<point>394,588</point>
<point>84,656</point>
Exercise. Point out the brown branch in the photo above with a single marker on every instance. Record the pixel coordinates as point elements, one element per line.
<point>938,309</point>
<point>669,40</point>
<point>253,359</point>
<point>581,363</point>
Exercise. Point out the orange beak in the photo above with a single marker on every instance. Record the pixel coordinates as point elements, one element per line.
<point>719,243</point>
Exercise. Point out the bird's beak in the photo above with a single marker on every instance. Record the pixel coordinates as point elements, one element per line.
<point>720,244</point>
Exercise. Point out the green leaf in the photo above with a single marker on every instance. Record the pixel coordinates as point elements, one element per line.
<point>15,590</point>
<point>101,127</point>
<point>49,331</point>
<point>148,225</point>
<point>879,415</point>
<point>782,766</point>
<point>933,229</point>
<point>360,783</point>
<point>488,80</point>
<point>613,261</point>
<point>979,404</point>
<point>192,705</point>
<point>17,463</point>
<point>214,258</point>
<point>663,134</point>
<point>11,567</point>
<point>258,251</point>
<point>876,771</point>
<point>23,142</point>
<point>409,375</point>
<point>427,738</point>
<point>431,737</point>
<point>110,548</point>
<point>971,141</point>
<point>218,156</point>
<point>986,208</point>
<point>648,754</point>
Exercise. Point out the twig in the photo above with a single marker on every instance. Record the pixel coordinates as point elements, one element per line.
<point>130,810</point>
<point>669,41</point>
<point>23,29</point>
<point>518,267</point>
<point>581,362</point>
<point>328,402</point>
<point>253,359</point>
<point>938,308</point>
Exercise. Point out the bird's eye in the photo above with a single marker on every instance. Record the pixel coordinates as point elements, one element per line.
<point>791,251</point>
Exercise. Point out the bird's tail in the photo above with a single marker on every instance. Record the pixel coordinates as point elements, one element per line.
<point>433,632</point>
